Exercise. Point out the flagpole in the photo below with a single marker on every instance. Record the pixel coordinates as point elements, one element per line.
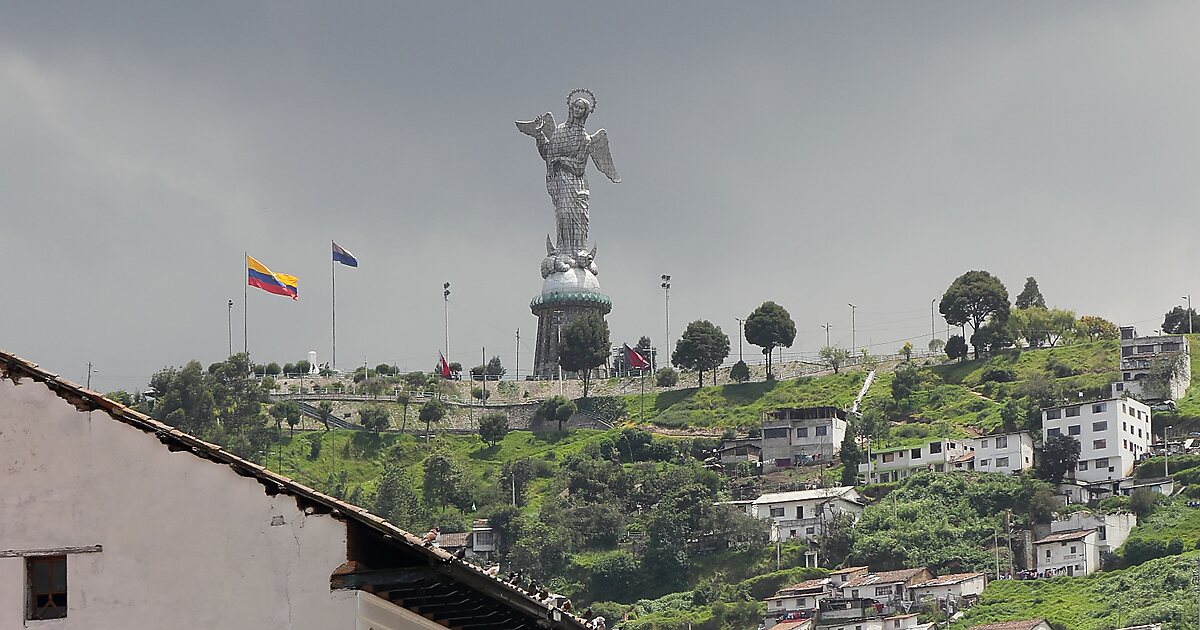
<point>246,305</point>
<point>333,285</point>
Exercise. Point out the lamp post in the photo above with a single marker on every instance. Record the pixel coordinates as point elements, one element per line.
<point>666,287</point>
<point>446,315</point>
<point>826,326</point>
<point>932,320</point>
<point>229,317</point>
<point>741,326</point>
<point>89,375</point>
<point>1188,297</point>
<point>853,339</point>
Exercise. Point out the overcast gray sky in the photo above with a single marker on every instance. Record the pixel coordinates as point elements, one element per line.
<point>814,154</point>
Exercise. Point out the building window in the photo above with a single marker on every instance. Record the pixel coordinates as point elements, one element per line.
<point>1001,462</point>
<point>1002,441</point>
<point>46,580</point>
<point>1055,431</point>
<point>1121,387</point>
<point>791,533</point>
<point>1053,414</point>
<point>1072,548</point>
<point>777,432</point>
<point>483,539</point>
<point>1099,407</point>
<point>1083,465</point>
<point>822,431</point>
<point>1102,462</point>
<point>1127,351</point>
<point>799,511</point>
<point>1072,411</point>
<point>810,530</point>
<point>1170,346</point>
<point>935,447</point>
<point>983,444</point>
<point>889,457</point>
<point>1047,554</point>
<point>983,463</point>
<point>1100,426</point>
<point>777,512</point>
<point>1145,349</point>
<point>1073,429</point>
<point>1099,444</point>
<point>916,453</point>
<point>883,590</point>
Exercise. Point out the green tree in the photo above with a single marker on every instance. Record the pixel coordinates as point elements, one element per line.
<point>768,327</point>
<point>395,498</point>
<point>740,372</point>
<point>289,369</point>
<point>973,298</point>
<point>1059,456</point>
<point>851,457</point>
<point>1176,321</point>
<point>273,369</point>
<point>835,357</point>
<point>1011,414</point>
<point>431,412</point>
<point>326,409</point>
<point>936,345</point>
<point>906,350</point>
<point>404,399</point>
<point>444,482</point>
<point>374,418</point>
<point>992,336</point>
<point>1030,324</point>
<point>905,381</point>
<point>956,347</point>
<point>1096,328</point>
<point>703,346</point>
<point>493,427</point>
<point>1030,296</point>
<point>666,377</point>
<point>557,409</point>
<point>584,347</point>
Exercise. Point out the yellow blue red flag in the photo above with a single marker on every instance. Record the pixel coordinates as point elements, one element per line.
<point>257,275</point>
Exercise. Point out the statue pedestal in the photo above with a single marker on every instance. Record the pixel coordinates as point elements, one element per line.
<point>566,296</point>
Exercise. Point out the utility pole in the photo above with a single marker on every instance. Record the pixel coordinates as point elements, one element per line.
<point>89,376</point>
<point>517,360</point>
<point>932,321</point>
<point>666,287</point>
<point>1188,297</point>
<point>741,327</point>
<point>446,316</point>
<point>853,339</point>
<point>826,326</point>
<point>483,398</point>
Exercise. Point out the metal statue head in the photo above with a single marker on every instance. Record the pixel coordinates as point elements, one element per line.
<point>580,103</point>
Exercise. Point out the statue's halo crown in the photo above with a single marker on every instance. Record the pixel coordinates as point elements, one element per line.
<point>591,98</point>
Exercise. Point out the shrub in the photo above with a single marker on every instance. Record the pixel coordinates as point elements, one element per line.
<point>666,377</point>
<point>1138,550</point>
<point>1175,547</point>
<point>912,430</point>
<point>998,375</point>
<point>314,448</point>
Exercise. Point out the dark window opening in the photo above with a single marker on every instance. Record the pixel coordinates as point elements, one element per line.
<point>46,579</point>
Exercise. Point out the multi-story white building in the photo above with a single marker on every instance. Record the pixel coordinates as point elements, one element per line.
<point>1074,552</point>
<point>1004,452</point>
<point>1112,435</point>
<point>798,436</point>
<point>894,464</point>
<point>1111,529</point>
<point>798,601</point>
<point>1139,355</point>
<point>805,513</point>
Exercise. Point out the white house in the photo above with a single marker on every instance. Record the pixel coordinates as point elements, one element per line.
<point>1004,452</point>
<point>111,520</point>
<point>798,436</point>
<point>1074,552</point>
<point>1139,355</point>
<point>1111,529</point>
<point>1160,485</point>
<point>1112,435</point>
<point>892,586</point>
<point>798,601</point>
<point>956,587</point>
<point>806,513</point>
<point>894,464</point>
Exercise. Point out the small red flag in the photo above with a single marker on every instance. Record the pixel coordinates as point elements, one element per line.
<point>634,359</point>
<point>444,367</point>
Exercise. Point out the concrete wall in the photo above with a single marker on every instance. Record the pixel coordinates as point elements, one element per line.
<point>187,543</point>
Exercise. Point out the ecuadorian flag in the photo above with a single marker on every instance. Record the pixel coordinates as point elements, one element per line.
<point>257,275</point>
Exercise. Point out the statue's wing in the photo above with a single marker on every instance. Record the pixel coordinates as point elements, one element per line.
<point>598,147</point>
<point>542,126</point>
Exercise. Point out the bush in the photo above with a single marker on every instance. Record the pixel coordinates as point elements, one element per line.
<point>998,375</point>
<point>1175,547</point>
<point>1138,550</point>
<point>666,377</point>
<point>912,430</point>
<point>314,449</point>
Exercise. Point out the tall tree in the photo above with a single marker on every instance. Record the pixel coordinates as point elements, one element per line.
<point>405,399</point>
<point>585,345</point>
<point>493,427</point>
<point>972,298</point>
<point>768,327</point>
<point>703,346</point>
<point>326,409</point>
<point>835,357</point>
<point>1096,328</point>
<point>431,412</point>
<point>851,457</point>
<point>740,372</point>
<point>1030,296</point>
<point>1175,322</point>
<point>374,418</point>
<point>956,347</point>
<point>1059,456</point>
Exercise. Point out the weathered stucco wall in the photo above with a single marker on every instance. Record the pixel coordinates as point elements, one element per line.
<point>187,543</point>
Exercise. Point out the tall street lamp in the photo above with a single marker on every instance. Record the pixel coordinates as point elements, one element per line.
<point>229,317</point>
<point>853,339</point>
<point>666,287</point>
<point>826,326</point>
<point>1188,297</point>
<point>446,315</point>
<point>741,326</point>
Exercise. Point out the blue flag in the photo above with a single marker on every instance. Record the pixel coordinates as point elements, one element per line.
<point>343,256</point>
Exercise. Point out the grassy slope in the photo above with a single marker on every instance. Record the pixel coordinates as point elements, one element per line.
<point>1159,590</point>
<point>1171,521</point>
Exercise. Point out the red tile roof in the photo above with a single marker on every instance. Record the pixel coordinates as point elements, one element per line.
<point>1075,534</point>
